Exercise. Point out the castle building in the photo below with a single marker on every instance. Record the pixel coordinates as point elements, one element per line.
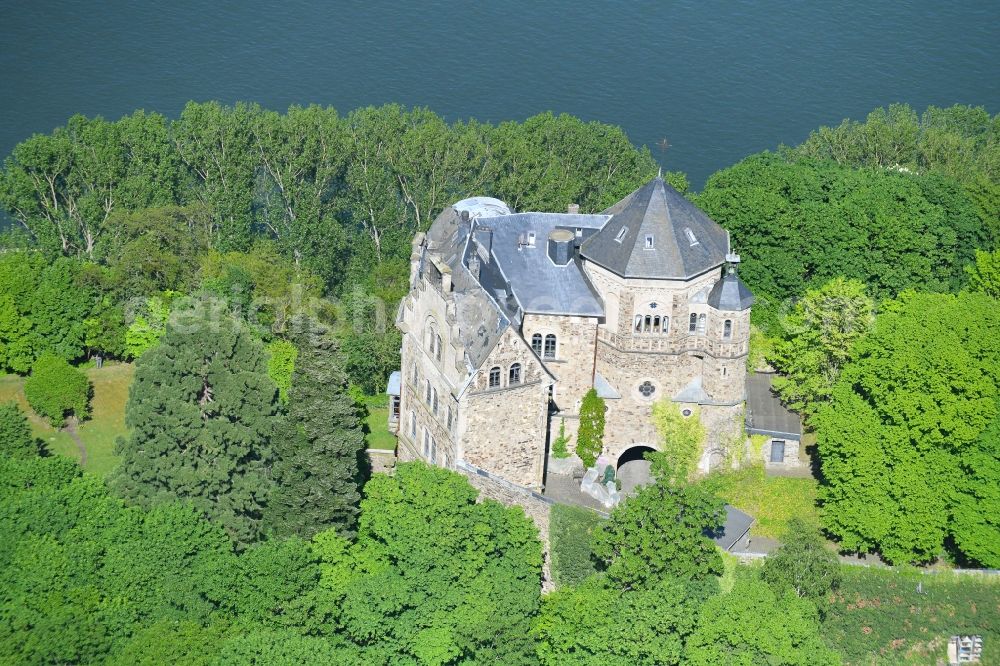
<point>512,317</point>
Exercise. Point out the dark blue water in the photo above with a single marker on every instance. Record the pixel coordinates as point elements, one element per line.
<point>720,80</point>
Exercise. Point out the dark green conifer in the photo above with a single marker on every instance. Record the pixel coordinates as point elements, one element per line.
<point>317,475</point>
<point>203,416</point>
<point>16,440</point>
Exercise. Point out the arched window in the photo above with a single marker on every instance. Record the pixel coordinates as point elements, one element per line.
<point>550,346</point>
<point>727,328</point>
<point>656,324</point>
<point>515,374</point>
<point>701,323</point>
<point>638,323</point>
<point>434,401</point>
<point>647,323</point>
<point>451,417</point>
<point>693,323</point>
<point>495,377</point>
<point>665,327</point>
<point>437,345</point>
<point>536,343</point>
<point>427,392</point>
<point>413,424</point>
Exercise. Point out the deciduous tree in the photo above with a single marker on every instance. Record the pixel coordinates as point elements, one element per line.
<point>902,416</point>
<point>56,390</point>
<point>752,625</point>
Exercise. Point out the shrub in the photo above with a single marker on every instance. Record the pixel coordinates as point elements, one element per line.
<point>56,389</point>
<point>559,449</point>
<point>570,531</point>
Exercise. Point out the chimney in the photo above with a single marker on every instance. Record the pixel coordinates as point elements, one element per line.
<point>446,280</point>
<point>465,217</point>
<point>484,237</point>
<point>561,246</point>
<point>573,209</point>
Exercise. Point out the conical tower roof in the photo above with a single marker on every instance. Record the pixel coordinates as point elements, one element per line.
<point>656,233</point>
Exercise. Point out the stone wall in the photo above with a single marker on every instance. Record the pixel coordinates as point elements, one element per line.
<point>573,366</point>
<point>503,429</point>
<point>535,507</point>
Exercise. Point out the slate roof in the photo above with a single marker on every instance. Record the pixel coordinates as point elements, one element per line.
<point>730,294</point>
<point>526,272</point>
<point>481,321</point>
<point>394,381</point>
<point>604,389</point>
<point>735,528</point>
<point>686,242</point>
<point>765,413</point>
<point>693,393</point>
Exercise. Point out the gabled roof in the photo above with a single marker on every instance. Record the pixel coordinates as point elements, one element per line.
<point>765,413</point>
<point>730,294</point>
<point>735,528</point>
<point>685,241</point>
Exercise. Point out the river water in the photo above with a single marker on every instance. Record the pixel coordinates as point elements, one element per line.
<point>718,80</point>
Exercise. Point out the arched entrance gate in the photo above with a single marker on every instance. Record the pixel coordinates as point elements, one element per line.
<point>632,468</point>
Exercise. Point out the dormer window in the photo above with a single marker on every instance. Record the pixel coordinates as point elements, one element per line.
<point>649,242</point>
<point>579,232</point>
<point>692,239</point>
<point>621,235</point>
<point>531,239</point>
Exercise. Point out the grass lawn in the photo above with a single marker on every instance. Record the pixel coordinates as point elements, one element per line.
<point>98,433</point>
<point>772,500</point>
<point>377,435</point>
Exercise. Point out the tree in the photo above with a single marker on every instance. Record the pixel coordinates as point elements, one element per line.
<point>802,564</point>
<point>661,532</point>
<point>370,342</point>
<point>281,356</point>
<point>434,576</point>
<point>203,418</point>
<point>919,393</point>
<point>802,223</point>
<point>317,475</point>
<point>156,249</point>
<point>56,390</point>
<point>598,624</point>
<point>816,341</point>
<point>681,436</point>
<point>148,325</point>
<point>959,142</point>
<point>590,436</point>
<point>752,625</point>
<point>16,440</point>
<point>984,275</point>
<point>976,513</point>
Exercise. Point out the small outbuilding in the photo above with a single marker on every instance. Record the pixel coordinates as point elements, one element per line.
<point>392,390</point>
<point>766,416</point>
<point>735,535</point>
